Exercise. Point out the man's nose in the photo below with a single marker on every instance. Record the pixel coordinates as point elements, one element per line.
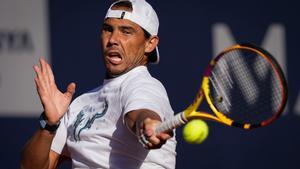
<point>114,38</point>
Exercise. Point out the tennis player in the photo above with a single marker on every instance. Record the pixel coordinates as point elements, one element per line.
<point>101,128</point>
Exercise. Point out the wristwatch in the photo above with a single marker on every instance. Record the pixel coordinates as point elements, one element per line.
<point>45,126</point>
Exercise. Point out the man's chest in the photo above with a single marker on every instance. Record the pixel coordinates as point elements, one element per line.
<point>95,114</point>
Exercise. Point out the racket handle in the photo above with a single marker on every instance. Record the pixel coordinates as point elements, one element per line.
<point>172,123</point>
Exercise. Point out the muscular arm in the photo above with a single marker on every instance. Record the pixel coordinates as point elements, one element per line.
<point>37,153</point>
<point>144,121</point>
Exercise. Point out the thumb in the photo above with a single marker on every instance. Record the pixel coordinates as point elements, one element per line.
<point>70,90</point>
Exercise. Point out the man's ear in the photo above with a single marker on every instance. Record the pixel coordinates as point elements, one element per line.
<point>151,44</point>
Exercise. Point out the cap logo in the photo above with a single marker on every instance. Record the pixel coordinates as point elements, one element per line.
<point>122,15</point>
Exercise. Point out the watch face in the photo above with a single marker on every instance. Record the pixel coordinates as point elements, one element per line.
<point>42,123</point>
<point>45,126</point>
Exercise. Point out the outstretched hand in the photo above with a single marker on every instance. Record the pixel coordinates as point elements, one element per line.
<point>55,102</point>
<point>149,138</point>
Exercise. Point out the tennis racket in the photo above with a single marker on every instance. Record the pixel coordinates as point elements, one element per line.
<point>244,87</point>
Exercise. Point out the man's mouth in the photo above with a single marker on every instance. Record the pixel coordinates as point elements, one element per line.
<point>114,57</point>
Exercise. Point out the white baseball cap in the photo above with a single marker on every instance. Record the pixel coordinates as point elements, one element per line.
<point>142,14</point>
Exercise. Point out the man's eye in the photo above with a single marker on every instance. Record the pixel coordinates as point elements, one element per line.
<point>126,31</point>
<point>107,28</point>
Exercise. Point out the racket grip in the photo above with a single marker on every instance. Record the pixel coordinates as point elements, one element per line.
<point>172,123</point>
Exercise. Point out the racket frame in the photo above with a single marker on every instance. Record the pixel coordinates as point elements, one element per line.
<point>192,113</point>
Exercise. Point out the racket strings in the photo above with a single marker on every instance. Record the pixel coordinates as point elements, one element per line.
<point>245,87</point>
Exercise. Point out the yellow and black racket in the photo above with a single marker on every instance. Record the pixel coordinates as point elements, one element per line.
<point>244,87</point>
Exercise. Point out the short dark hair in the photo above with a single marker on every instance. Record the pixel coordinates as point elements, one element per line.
<point>146,34</point>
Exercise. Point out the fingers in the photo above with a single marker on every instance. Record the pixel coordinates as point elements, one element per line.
<point>43,66</point>
<point>70,90</point>
<point>39,80</point>
<point>38,74</point>
<point>55,102</point>
<point>149,138</point>
<point>42,73</point>
<point>45,79</point>
<point>50,74</point>
<point>165,136</point>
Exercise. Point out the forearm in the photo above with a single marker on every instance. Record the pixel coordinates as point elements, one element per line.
<point>36,151</point>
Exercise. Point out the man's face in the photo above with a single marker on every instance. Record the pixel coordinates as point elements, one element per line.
<point>123,45</point>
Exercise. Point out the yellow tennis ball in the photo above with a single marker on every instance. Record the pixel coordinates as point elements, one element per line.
<point>195,131</point>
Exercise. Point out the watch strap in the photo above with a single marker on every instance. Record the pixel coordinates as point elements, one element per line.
<point>44,124</point>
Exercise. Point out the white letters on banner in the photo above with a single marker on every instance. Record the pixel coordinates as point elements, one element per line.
<point>23,39</point>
